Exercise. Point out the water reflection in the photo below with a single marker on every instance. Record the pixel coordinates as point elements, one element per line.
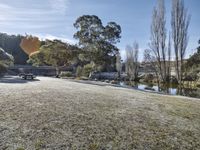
<point>171,89</point>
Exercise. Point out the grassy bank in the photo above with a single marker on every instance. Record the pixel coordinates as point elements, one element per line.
<point>59,114</point>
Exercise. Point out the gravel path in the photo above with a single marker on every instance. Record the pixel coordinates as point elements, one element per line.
<point>51,113</point>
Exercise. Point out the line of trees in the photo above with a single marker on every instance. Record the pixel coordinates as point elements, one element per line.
<point>160,53</point>
<point>11,45</point>
<point>96,50</point>
<point>180,22</point>
<point>158,39</point>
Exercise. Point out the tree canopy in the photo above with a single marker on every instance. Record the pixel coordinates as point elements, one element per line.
<point>5,58</point>
<point>198,48</point>
<point>97,41</point>
<point>5,61</point>
<point>55,53</point>
<point>11,45</point>
<point>192,65</point>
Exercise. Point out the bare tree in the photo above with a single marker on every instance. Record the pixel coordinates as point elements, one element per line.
<point>132,64</point>
<point>118,64</point>
<point>179,22</point>
<point>150,59</point>
<point>129,61</point>
<point>169,58</point>
<point>158,39</point>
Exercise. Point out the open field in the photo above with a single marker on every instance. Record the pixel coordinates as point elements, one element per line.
<point>59,114</point>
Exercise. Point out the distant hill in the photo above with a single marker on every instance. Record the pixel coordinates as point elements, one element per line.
<point>11,44</point>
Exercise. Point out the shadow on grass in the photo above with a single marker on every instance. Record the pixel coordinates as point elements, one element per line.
<point>15,80</point>
<point>91,82</point>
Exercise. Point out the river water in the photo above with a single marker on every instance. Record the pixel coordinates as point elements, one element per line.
<point>165,89</point>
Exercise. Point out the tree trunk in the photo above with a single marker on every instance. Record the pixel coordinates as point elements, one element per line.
<point>57,71</point>
<point>119,75</point>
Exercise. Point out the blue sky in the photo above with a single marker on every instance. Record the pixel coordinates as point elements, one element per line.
<point>54,18</point>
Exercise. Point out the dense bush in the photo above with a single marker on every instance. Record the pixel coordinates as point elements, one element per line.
<point>79,70</point>
<point>66,74</point>
<point>3,69</point>
<point>5,61</point>
<point>173,80</point>
<point>148,78</point>
<point>87,69</point>
<point>192,66</point>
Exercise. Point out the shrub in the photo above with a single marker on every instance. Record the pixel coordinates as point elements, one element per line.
<point>198,85</point>
<point>20,148</point>
<point>6,60</point>
<point>84,78</point>
<point>79,70</point>
<point>3,69</point>
<point>66,74</point>
<point>148,78</point>
<point>173,80</point>
<point>87,69</point>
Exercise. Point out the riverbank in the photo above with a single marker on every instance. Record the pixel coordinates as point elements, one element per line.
<point>51,113</point>
<point>169,89</point>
